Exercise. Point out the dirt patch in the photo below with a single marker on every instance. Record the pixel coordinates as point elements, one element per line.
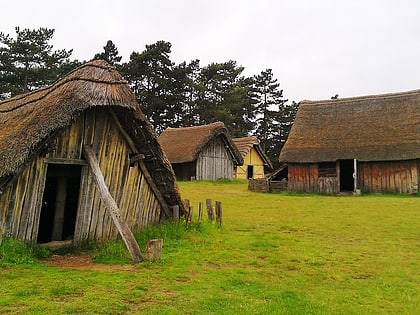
<point>85,261</point>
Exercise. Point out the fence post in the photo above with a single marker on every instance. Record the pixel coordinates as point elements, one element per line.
<point>200,212</point>
<point>219,213</point>
<point>210,212</point>
<point>153,249</point>
<point>175,211</point>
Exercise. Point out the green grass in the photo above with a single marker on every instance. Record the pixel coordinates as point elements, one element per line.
<point>276,253</point>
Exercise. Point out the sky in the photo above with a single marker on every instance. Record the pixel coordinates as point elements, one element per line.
<point>316,48</point>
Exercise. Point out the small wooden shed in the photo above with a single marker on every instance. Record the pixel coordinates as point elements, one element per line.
<point>47,190</point>
<point>255,159</point>
<point>369,143</point>
<point>201,152</point>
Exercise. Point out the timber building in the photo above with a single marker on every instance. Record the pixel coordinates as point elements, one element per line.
<point>368,144</point>
<point>47,190</point>
<point>201,152</point>
<point>255,159</point>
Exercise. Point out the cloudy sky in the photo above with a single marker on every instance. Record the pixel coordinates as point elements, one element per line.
<point>316,48</point>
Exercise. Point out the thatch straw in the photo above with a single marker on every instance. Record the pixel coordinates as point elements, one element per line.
<point>183,145</point>
<point>245,144</point>
<point>370,128</point>
<point>29,121</point>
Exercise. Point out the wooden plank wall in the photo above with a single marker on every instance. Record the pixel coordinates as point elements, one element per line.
<point>21,202</point>
<point>304,177</point>
<point>392,176</point>
<point>214,161</point>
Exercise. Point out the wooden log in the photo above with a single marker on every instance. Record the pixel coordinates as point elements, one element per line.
<point>219,214</point>
<point>111,206</point>
<point>153,249</point>
<point>210,212</point>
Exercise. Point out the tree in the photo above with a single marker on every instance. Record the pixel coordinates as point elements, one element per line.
<point>150,74</point>
<point>110,54</point>
<point>269,108</point>
<point>29,62</point>
<point>223,94</point>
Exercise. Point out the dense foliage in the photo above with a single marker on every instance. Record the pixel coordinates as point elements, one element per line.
<point>171,95</point>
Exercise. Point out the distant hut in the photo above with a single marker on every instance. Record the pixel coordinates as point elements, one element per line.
<point>369,143</point>
<point>201,152</point>
<point>47,192</point>
<point>255,159</point>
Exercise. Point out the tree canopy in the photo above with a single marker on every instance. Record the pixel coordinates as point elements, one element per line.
<point>170,95</point>
<point>28,61</point>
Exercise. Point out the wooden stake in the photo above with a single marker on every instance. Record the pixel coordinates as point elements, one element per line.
<point>219,219</point>
<point>200,212</point>
<point>111,206</point>
<point>210,212</point>
<point>153,249</point>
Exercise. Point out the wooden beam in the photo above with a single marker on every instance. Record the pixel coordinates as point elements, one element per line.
<point>143,167</point>
<point>111,205</point>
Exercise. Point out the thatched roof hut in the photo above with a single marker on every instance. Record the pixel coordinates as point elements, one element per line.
<point>201,152</point>
<point>92,105</point>
<point>376,128</point>
<point>255,159</point>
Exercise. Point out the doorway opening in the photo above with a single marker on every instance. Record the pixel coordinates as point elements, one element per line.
<point>250,172</point>
<point>346,175</point>
<point>59,204</point>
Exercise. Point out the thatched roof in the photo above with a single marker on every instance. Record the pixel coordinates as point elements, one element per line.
<point>245,144</point>
<point>370,128</point>
<point>29,121</point>
<point>185,144</point>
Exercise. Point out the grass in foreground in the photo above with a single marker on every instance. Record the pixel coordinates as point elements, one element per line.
<point>275,254</point>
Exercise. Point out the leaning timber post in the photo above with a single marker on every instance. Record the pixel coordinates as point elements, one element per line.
<point>210,212</point>
<point>111,206</point>
<point>219,219</point>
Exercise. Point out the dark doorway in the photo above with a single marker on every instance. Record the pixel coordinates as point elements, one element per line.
<point>346,175</point>
<point>250,172</point>
<point>59,203</point>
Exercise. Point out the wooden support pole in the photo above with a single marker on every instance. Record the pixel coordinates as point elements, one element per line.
<point>60,206</point>
<point>111,206</point>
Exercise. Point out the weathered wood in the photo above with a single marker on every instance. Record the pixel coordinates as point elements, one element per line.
<point>200,212</point>
<point>143,167</point>
<point>210,211</point>
<point>111,206</point>
<point>175,210</point>
<point>153,249</point>
<point>219,213</point>
<point>60,206</point>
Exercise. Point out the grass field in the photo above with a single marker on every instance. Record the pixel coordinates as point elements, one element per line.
<point>275,254</point>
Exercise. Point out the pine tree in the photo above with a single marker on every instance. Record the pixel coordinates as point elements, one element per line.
<point>110,54</point>
<point>268,107</point>
<point>29,62</point>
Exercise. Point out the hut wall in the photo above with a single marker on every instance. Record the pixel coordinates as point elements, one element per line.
<point>251,158</point>
<point>390,176</point>
<point>21,202</point>
<point>214,161</point>
<point>184,171</point>
<point>304,177</point>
